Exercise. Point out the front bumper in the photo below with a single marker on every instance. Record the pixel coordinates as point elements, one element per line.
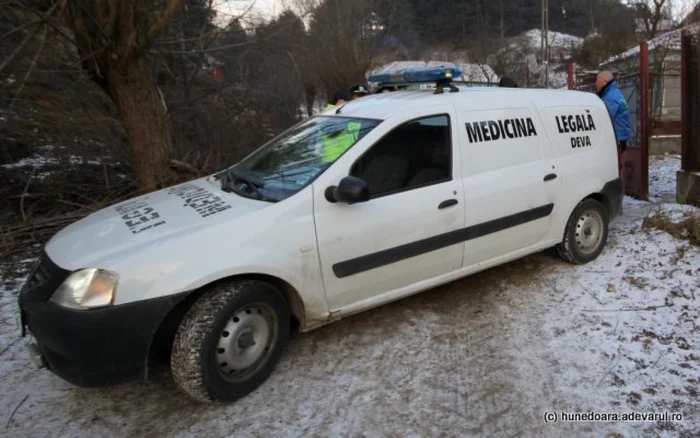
<point>91,347</point>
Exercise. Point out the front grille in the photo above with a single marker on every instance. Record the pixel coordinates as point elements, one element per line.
<point>44,280</point>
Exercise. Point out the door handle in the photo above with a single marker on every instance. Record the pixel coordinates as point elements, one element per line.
<point>550,177</point>
<point>447,203</point>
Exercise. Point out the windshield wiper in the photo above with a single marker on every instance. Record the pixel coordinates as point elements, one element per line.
<point>253,185</point>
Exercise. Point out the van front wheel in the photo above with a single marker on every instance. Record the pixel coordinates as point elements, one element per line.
<point>586,233</point>
<point>229,342</point>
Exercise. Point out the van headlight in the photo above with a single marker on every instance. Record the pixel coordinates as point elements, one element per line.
<point>87,289</point>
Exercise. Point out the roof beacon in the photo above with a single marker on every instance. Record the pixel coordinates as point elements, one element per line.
<point>441,76</point>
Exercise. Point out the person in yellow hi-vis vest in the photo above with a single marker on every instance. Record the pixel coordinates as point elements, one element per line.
<point>335,145</point>
<point>339,98</point>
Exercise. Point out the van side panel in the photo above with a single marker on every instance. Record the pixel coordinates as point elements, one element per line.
<point>509,202</point>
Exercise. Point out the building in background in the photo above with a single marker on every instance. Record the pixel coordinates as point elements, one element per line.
<point>664,68</point>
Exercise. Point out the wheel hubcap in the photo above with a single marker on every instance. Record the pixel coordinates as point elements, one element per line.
<point>589,232</point>
<point>246,338</point>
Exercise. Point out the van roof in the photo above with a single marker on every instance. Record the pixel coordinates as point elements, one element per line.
<point>382,106</point>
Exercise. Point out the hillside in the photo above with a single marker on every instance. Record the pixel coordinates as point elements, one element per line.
<point>521,58</point>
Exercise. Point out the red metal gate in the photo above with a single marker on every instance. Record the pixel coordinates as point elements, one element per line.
<point>636,158</point>
<point>690,95</point>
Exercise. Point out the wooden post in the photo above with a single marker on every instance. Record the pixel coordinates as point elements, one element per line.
<point>644,114</point>
<point>570,74</point>
<point>527,76</point>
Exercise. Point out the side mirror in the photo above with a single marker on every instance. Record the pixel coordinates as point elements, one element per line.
<point>350,190</point>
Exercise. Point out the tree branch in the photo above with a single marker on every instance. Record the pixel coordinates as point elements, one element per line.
<point>108,16</point>
<point>162,22</point>
<point>31,68</point>
<point>18,48</point>
<point>26,39</point>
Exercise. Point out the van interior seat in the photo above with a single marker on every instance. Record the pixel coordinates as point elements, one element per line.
<point>386,172</point>
<point>406,158</point>
<point>427,175</point>
<point>433,166</point>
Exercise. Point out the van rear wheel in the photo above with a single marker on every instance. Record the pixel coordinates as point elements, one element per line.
<point>229,342</point>
<point>586,233</point>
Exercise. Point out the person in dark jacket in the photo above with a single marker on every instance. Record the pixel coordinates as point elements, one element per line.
<point>357,91</point>
<point>607,89</point>
<point>339,98</point>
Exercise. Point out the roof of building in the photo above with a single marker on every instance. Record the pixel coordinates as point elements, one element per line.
<point>669,40</point>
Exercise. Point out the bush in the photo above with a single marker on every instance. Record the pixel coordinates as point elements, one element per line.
<point>683,223</point>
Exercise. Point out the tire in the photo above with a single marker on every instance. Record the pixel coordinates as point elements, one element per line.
<point>230,340</point>
<point>586,233</point>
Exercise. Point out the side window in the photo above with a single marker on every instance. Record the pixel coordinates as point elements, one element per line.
<point>415,154</point>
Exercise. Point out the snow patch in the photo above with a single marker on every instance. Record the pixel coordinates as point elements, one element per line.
<point>557,40</point>
<point>76,160</point>
<point>526,48</point>
<point>36,161</point>
<point>662,176</point>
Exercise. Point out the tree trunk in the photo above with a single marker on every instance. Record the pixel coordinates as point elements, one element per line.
<point>145,119</point>
<point>113,41</point>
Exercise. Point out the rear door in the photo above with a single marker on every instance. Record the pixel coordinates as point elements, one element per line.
<point>579,134</point>
<point>511,183</point>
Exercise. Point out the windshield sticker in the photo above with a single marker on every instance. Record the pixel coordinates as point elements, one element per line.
<point>139,216</point>
<point>200,200</point>
<point>490,130</point>
<point>572,124</point>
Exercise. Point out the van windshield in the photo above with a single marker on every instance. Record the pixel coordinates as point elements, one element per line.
<point>294,159</point>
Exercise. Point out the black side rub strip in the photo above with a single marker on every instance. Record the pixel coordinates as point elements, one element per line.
<point>419,247</point>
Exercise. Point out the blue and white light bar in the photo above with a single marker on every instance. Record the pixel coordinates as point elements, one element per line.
<point>412,75</point>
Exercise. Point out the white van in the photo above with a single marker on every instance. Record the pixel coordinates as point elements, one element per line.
<point>389,195</point>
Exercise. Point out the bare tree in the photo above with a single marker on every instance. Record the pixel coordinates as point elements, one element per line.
<point>113,38</point>
<point>344,37</point>
<point>690,11</point>
<point>651,12</point>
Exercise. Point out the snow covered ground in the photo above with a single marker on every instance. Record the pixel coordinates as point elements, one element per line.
<point>557,40</point>
<point>484,356</point>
